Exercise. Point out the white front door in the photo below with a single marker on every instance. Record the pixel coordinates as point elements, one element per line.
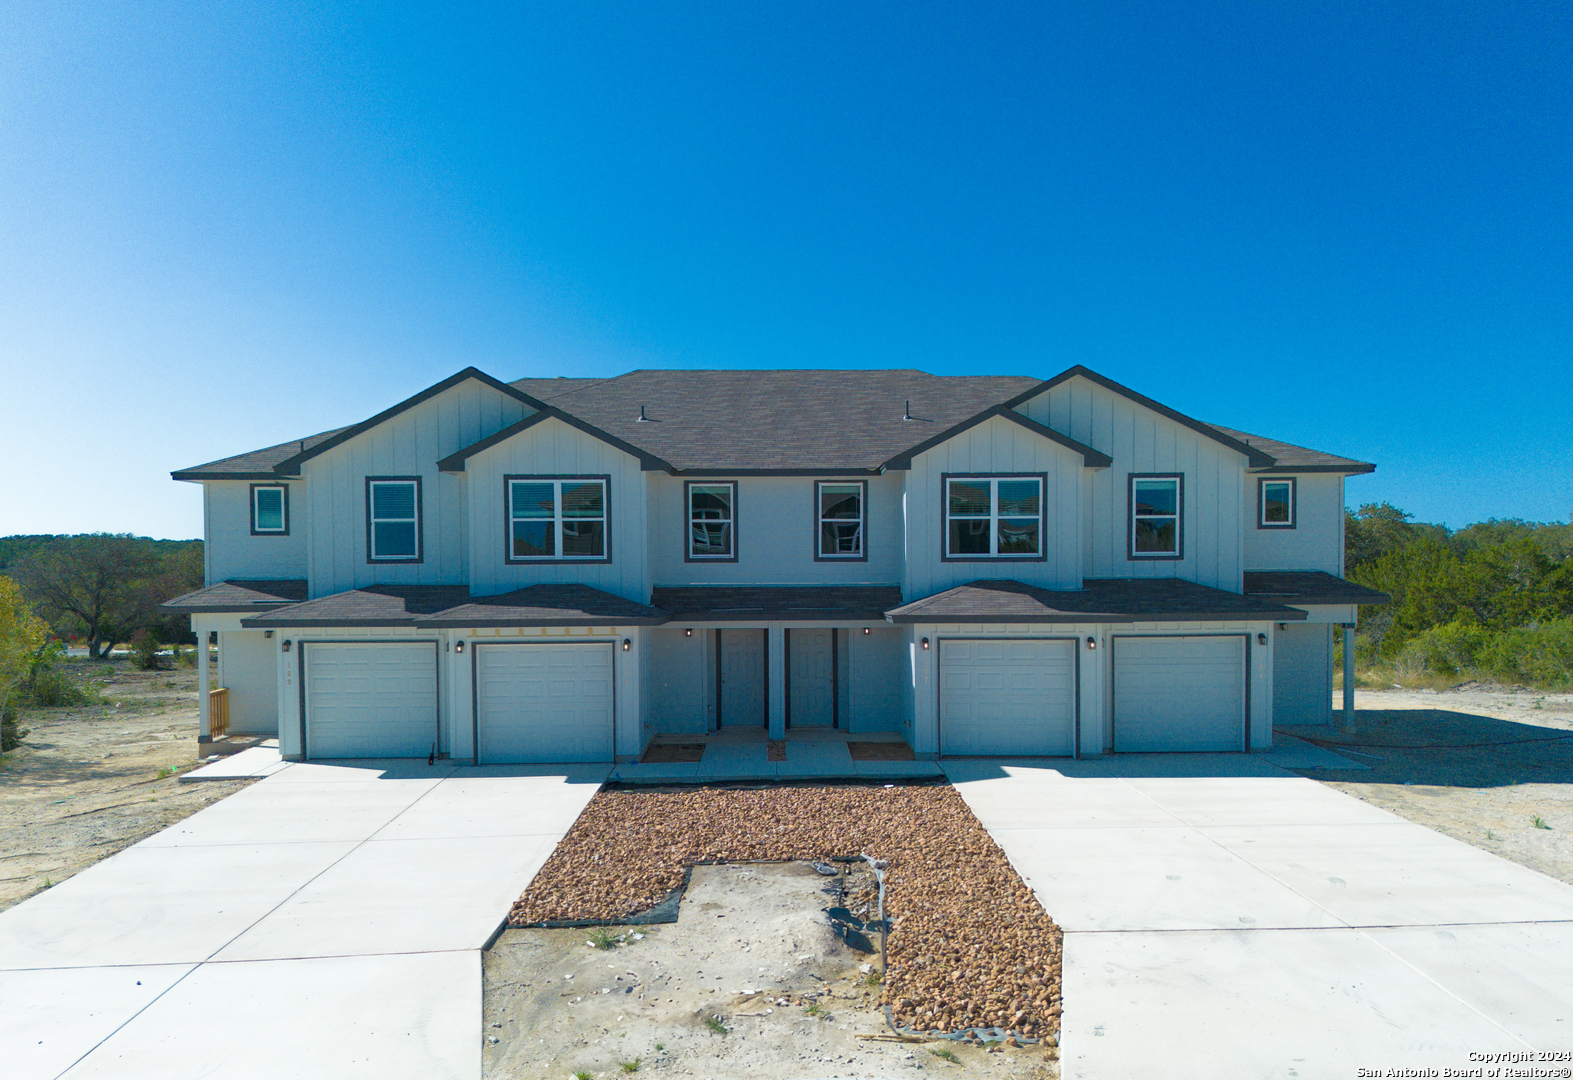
<point>742,678</point>
<point>1303,674</point>
<point>371,699</point>
<point>812,689</point>
<point>543,702</point>
<point>1012,696</point>
<point>1179,693</point>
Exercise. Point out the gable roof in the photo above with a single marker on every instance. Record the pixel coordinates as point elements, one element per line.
<point>1092,459</point>
<point>256,465</point>
<point>1290,458</point>
<point>453,606</point>
<point>1309,587</point>
<point>1098,600</point>
<point>237,594</point>
<point>1257,458</point>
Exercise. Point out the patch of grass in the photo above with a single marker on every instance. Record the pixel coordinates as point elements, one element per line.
<point>871,979</point>
<point>944,1053</point>
<point>659,1047</point>
<point>813,1008</point>
<point>602,938</point>
<point>1490,835</point>
<point>584,1074</point>
<point>629,1066</point>
<point>1539,822</point>
<point>715,1025</point>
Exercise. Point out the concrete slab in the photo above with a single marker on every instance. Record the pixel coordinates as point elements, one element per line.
<point>361,770</point>
<point>1289,752</point>
<point>158,905</point>
<point>1150,879</point>
<point>254,761</point>
<point>1036,800</point>
<point>50,1018</point>
<point>378,1017</point>
<point>1516,975</point>
<point>296,813</point>
<point>735,759</point>
<point>655,772</point>
<point>1250,801</point>
<point>1261,1003</point>
<point>1397,874</point>
<point>400,896</point>
<point>914,770</point>
<point>475,803</point>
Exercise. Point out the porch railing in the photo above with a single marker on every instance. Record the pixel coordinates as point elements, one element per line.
<point>218,712</point>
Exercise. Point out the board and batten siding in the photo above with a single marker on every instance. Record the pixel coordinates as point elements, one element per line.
<point>409,444</point>
<point>777,534</point>
<point>553,448</point>
<point>232,552</point>
<point>993,448</point>
<point>1315,542</point>
<point>1217,488</point>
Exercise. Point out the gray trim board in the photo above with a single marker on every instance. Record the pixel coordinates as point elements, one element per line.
<point>944,517</point>
<point>688,522</point>
<point>420,522</point>
<point>819,523</point>
<point>284,509</point>
<point>558,560</point>
<point>1261,502</point>
<point>454,462</point>
<point>1131,554</point>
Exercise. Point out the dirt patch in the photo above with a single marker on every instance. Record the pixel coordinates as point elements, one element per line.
<point>750,981</point>
<point>673,753</point>
<point>85,784</point>
<point>880,751</point>
<point>969,946</point>
<point>1479,764</point>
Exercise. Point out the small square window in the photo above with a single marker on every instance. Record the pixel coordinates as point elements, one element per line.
<point>1275,502</point>
<point>712,521</point>
<point>393,513</point>
<point>269,510</point>
<point>557,518</point>
<point>989,518</point>
<point>840,519</point>
<point>1156,516</point>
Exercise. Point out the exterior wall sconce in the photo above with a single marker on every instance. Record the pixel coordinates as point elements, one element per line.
<point>1261,639</point>
<point>286,644</point>
<point>689,632</point>
<point>627,644</point>
<point>1092,643</point>
<point>866,631</point>
<point>458,647</point>
<point>925,643</point>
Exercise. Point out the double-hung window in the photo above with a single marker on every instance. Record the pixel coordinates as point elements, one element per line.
<point>1157,522</point>
<point>393,519</point>
<point>712,521</point>
<point>993,517</point>
<point>840,511</point>
<point>269,510</point>
<point>556,518</point>
<point>1275,502</point>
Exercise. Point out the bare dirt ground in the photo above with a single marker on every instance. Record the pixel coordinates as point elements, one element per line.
<point>85,784</point>
<point>1480,763</point>
<point>750,981</point>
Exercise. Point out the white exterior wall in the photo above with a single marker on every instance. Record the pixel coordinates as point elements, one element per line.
<point>1317,540</point>
<point>680,682</point>
<point>409,444</point>
<point>777,533</point>
<point>994,447</point>
<point>247,662</point>
<point>553,448</point>
<point>229,549</point>
<point>1142,441</point>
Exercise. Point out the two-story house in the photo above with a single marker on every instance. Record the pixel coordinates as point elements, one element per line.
<point>562,569</point>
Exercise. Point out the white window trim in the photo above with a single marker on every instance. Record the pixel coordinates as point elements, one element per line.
<point>993,518</point>
<point>372,519</point>
<point>1261,510</point>
<point>1178,517</point>
<point>557,519</point>
<point>689,521</point>
<point>283,528</point>
<point>820,521</point>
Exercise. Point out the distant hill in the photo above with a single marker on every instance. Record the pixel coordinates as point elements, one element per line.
<point>15,548</point>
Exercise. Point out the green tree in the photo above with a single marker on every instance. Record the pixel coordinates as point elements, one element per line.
<point>22,636</point>
<point>103,586</point>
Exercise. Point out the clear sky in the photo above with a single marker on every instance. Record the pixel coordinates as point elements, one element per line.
<point>225,225</point>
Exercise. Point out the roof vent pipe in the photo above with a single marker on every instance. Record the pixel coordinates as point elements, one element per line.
<point>908,414</point>
<point>643,419</point>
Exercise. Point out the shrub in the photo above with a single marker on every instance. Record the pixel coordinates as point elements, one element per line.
<point>1538,655</point>
<point>144,651</point>
<point>1447,649</point>
<point>11,730</point>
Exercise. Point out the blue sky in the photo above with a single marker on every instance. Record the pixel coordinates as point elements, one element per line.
<point>225,225</point>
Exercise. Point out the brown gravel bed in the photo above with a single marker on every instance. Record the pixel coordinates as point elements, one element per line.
<point>970,946</point>
<point>775,749</point>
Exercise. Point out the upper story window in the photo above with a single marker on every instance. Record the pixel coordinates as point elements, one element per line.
<point>269,510</point>
<point>993,517</point>
<point>393,519</point>
<point>1157,522</point>
<point>557,518</point>
<point>840,510</point>
<point>712,521</point>
<point>1275,502</point>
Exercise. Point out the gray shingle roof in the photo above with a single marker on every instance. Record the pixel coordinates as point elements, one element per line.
<point>256,465</point>
<point>549,605</point>
<point>804,603</point>
<point>236,595</point>
<point>1291,458</point>
<point>375,605</point>
<point>1309,587</point>
<point>1100,600</point>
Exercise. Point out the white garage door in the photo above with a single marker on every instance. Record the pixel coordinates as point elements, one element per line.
<point>1007,696</point>
<point>543,702</point>
<point>371,700</point>
<point>1179,693</point>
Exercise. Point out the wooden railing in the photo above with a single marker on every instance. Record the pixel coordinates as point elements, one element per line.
<point>218,712</point>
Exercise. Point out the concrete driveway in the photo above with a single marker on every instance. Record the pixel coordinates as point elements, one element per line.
<point>326,921</point>
<point>1225,918</point>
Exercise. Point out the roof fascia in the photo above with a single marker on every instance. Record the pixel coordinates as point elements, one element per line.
<point>197,476</point>
<point>1355,469</point>
<point>1255,457</point>
<point>1091,459</point>
<point>454,462</point>
<point>291,466</point>
<point>720,473</point>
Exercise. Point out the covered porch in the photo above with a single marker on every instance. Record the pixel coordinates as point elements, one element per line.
<point>748,753</point>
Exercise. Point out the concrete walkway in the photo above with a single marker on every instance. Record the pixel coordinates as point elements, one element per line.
<point>325,921</point>
<point>1224,918</point>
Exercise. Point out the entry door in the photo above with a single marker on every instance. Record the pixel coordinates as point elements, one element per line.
<point>813,685</point>
<point>743,678</point>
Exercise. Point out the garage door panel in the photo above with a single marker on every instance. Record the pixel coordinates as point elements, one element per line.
<point>544,703</point>
<point>371,700</point>
<point>1012,697</point>
<point>1179,693</point>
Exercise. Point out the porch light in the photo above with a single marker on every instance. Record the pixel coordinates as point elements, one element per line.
<point>1092,643</point>
<point>866,631</point>
<point>627,644</point>
<point>925,643</point>
<point>286,644</point>
<point>689,632</point>
<point>458,646</point>
<point>1261,639</point>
